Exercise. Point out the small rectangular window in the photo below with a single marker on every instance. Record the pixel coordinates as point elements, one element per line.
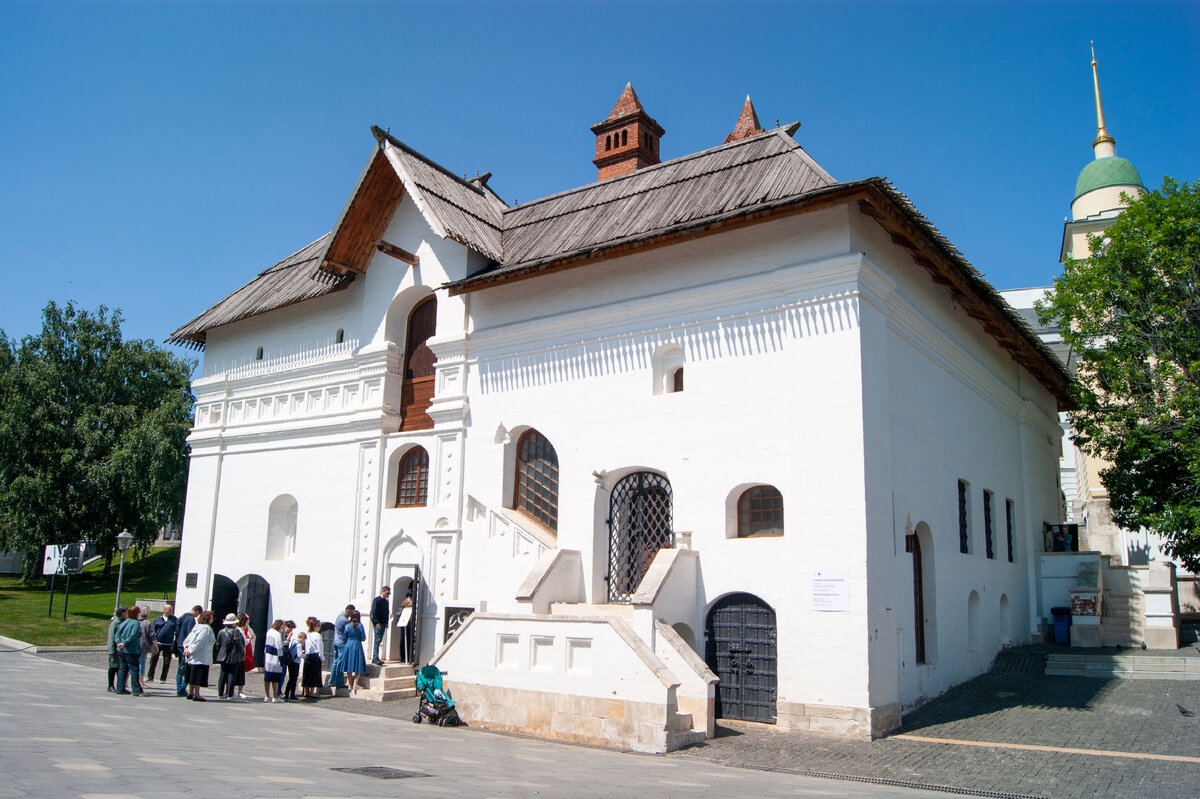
<point>1008,525</point>
<point>989,546</point>
<point>301,584</point>
<point>964,519</point>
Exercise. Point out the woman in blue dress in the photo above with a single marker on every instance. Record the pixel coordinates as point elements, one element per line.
<point>354,662</point>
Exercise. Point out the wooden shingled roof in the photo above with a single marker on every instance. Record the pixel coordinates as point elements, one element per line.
<point>292,280</point>
<point>760,177</point>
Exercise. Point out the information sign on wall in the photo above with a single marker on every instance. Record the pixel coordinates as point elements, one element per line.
<point>830,591</point>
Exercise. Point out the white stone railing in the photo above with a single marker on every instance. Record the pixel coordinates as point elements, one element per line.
<point>284,363</point>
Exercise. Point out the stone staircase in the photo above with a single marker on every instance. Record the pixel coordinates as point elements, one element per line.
<point>1126,665</point>
<point>385,683</point>
<point>685,732</point>
<point>1123,618</point>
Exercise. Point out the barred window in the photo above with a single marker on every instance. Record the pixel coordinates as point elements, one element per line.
<point>964,522</point>
<point>987,524</point>
<point>760,512</point>
<point>1008,523</point>
<point>537,479</point>
<point>412,481</point>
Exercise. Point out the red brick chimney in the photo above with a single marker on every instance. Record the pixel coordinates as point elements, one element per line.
<point>747,124</point>
<point>628,139</point>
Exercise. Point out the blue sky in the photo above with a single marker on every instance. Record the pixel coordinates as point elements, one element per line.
<point>156,155</point>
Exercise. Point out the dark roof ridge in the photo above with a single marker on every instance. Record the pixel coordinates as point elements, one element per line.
<point>380,135</point>
<point>782,130</point>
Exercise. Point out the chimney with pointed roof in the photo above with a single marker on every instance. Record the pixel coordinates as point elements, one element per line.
<point>628,139</point>
<point>747,124</point>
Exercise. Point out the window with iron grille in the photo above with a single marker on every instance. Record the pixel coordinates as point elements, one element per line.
<point>537,479</point>
<point>760,512</point>
<point>987,524</point>
<point>412,482</point>
<point>964,520</point>
<point>1008,524</point>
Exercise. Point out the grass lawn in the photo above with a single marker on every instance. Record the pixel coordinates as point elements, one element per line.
<point>23,607</point>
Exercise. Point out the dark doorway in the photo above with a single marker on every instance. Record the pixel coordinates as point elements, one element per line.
<point>639,524</point>
<point>224,599</point>
<point>918,598</point>
<point>254,600</point>
<point>740,649</point>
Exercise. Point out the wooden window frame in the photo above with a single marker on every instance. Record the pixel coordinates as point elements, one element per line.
<point>752,519</point>
<point>536,479</point>
<point>413,483</point>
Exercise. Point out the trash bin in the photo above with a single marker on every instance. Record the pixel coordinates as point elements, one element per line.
<point>1062,625</point>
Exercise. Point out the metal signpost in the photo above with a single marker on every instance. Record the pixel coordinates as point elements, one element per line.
<point>68,560</point>
<point>123,542</point>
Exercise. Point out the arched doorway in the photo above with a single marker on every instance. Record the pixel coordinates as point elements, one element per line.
<point>740,649</point>
<point>639,524</point>
<point>404,641</point>
<point>224,599</point>
<point>254,599</point>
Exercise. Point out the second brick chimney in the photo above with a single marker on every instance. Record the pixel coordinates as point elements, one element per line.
<point>628,139</point>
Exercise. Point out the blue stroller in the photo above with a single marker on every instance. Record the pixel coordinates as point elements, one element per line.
<point>436,705</point>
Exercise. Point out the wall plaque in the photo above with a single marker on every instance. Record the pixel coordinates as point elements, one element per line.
<point>301,586</point>
<point>191,579</point>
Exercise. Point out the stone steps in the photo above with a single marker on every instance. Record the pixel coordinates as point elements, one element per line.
<point>386,683</point>
<point>1124,666</point>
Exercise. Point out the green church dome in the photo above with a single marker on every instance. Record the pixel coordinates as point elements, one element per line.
<point>1111,171</point>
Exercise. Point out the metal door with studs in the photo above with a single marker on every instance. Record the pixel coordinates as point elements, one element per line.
<point>639,524</point>
<point>740,649</point>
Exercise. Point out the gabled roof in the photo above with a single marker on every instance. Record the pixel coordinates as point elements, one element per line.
<point>292,280</point>
<point>745,181</point>
<point>464,210</point>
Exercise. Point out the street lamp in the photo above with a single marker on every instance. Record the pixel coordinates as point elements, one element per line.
<point>123,542</point>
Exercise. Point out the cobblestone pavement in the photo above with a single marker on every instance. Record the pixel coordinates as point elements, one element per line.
<point>1010,706</point>
<point>1126,723</point>
<point>62,736</point>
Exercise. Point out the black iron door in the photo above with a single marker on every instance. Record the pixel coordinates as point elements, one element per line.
<point>639,524</point>
<point>740,649</point>
<point>255,601</point>
<point>224,599</point>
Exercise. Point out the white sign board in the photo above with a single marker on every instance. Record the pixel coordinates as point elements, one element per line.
<point>830,591</point>
<point>54,561</point>
<point>404,618</point>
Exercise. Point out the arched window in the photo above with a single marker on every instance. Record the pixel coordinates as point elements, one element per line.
<point>677,381</point>
<point>760,512</point>
<point>537,479</point>
<point>624,137</point>
<point>339,336</point>
<point>281,527</point>
<point>412,480</point>
<point>258,354</point>
<point>608,142</point>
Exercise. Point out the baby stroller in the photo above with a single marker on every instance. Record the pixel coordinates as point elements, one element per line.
<point>436,704</point>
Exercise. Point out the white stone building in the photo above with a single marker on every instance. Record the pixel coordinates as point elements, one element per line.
<point>718,417</point>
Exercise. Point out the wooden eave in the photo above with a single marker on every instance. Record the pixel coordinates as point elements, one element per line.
<point>978,299</point>
<point>364,218</point>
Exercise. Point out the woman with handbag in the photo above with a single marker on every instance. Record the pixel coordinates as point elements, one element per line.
<point>198,655</point>
<point>231,654</point>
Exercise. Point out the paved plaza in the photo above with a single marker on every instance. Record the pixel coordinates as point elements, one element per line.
<point>1010,733</point>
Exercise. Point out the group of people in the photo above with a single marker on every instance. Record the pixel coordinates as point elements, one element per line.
<point>291,656</point>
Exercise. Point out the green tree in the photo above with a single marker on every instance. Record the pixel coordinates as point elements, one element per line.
<point>93,433</point>
<point>1131,314</point>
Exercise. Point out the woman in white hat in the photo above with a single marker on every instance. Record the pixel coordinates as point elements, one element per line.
<point>231,654</point>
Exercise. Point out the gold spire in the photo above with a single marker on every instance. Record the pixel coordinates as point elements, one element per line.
<point>1101,130</point>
